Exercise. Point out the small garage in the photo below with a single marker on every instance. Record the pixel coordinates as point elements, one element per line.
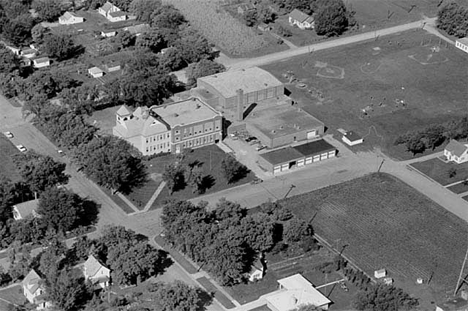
<point>285,159</point>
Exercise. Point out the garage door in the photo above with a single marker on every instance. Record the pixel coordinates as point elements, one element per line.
<point>316,158</point>
<point>324,156</point>
<point>285,167</point>
<point>261,95</point>
<point>331,154</point>
<point>276,169</point>
<point>308,161</point>
<point>312,134</point>
<point>270,93</point>
<point>300,162</point>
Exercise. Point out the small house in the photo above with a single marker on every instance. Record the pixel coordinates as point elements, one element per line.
<point>25,209</point>
<point>301,20</point>
<point>462,44</point>
<point>117,16</point>
<point>456,151</point>
<point>378,274</point>
<point>107,33</point>
<point>15,51</point>
<point>69,18</point>
<point>28,53</point>
<point>33,290</point>
<point>352,138</point>
<point>112,12</point>
<point>96,272</point>
<point>244,8</point>
<point>112,66</point>
<point>264,27</point>
<point>388,281</point>
<point>257,271</point>
<point>96,72</point>
<point>41,62</point>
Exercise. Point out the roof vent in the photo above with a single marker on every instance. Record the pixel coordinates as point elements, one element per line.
<point>198,106</point>
<point>281,127</point>
<point>176,115</point>
<point>266,84</point>
<point>273,131</point>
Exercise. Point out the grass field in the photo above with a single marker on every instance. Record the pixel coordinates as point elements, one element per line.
<point>387,224</point>
<point>439,171</point>
<point>7,167</point>
<point>459,188</point>
<point>13,294</point>
<point>210,158</point>
<point>400,84</point>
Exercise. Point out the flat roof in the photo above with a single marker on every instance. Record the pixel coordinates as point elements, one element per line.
<point>314,147</point>
<point>185,112</point>
<point>95,70</point>
<point>352,136</point>
<point>280,118</point>
<point>249,80</point>
<point>282,155</point>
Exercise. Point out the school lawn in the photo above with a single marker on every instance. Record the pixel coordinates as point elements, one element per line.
<point>403,82</point>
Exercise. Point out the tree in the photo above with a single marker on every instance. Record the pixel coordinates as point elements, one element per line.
<point>167,16</point>
<point>67,290</point>
<point>433,136</point>
<point>110,162</point>
<point>70,130</point>
<point>60,209</point>
<point>176,296</point>
<point>383,297</point>
<point>9,62</point>
<point>38,33</point>
<point>250,18</point>
<point>18,30</point>
<point>192,46</point>
<point>144,8</point>
<point>232,169</point>
<point>132,264</point>
<point>124,39</point>
<point>307,307</point>
<point>174,177</point>
<point>203,68</point>
<point>452,18</point>
<point>152,40</point>
<point>50,257</point>
<point>80,100</point>
<point>48,10</point>
<point>265,14</point>
<point>331,19</point>
<point>60,47</point>
<point>196,180</point>
<point>171,59</point>
<point>415,144</point>
<point>295,230</point>
<point>40,172</point>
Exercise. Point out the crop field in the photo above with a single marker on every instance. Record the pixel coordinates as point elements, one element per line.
<point>219,27</point>
<point>7,167</point>
<point>380,89</point>
<point>380,222</point>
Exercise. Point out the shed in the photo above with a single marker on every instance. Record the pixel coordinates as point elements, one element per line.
<point>462,44</point>
<point>28,53</point>
<point>257,271</point>
<point>41,62</point>
<point>264,27</point>
<point>113,66</point>
<point>95,72</point>
<point>352,138</point>
<point>378,274</point>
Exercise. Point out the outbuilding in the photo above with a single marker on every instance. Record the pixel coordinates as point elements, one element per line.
<point>70,18</point>
<point>41,62</point>
<point>284,159</point>
<point>352,138</point>
<point>95,72</point>
<point>462,44</point>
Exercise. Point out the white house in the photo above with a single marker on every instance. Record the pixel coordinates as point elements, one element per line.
<point>456,152</point>
<point>96,272</point>
<point>69,18</point>
<point>96,72</point>
<point>301,20</point>
<point>462,44</point>
<point>33,290</point>
<point>295,291</point>
<point>352,139</point>
<point>112,13</point>
<point>23,210</point>
<point>28,53</point>
<point>107,33</point>
<point>41,62</point>
<point>257,271</point>
<point>378,274</point>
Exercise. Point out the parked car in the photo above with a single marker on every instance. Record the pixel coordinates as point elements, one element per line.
<point>61,152</point>
<point>21,148</point>
<point>260,147</point>
<point>8,134</point>
<point>249,139</point>
<point>256,181</point>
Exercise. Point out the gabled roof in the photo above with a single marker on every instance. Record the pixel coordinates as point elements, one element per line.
<point>92,266</point>
<point>300,16</point>
<point>68,15</point>
<point>117,13</point>
<point>124,111</point>
<point>41,60</point>
<point>27,208</point>
<point>108,6</point>
<point>31,281</point>
<point>456,148</point>
<point>28,51</point>
<point>95,70</point>
<point>463,40</point>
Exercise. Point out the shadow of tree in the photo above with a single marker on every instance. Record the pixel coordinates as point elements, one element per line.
<point>205,299</point>
<point>208,181</point>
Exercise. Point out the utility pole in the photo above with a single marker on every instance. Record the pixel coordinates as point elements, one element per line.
<point>461,279</point>
<point>380,166</point>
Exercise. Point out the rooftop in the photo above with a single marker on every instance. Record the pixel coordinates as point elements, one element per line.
<point>249,80</point>
<point>280,118</point>
<point>314,147</point>
<point>140,123</point>
<point>95,70</point>
<point>41,60</point>
<point>185,112</point>
<point>31,281</point>
<point>117,13</point>
<point>352,136</point>
<point>456,148</point>
<point>108,6</point>
<point>300,16</point>
<point>92,266</point>
<point>27,208</point>
<point>68,15</point>
<point>463,40</point>
<point>282,155</point>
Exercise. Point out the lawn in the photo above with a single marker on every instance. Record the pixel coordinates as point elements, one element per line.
<point>465,198</point>
<point>210,158</point>
<point>117,200</point>
<point>459,188</point>
<point>439,171</point>
<point>392,79</point>
<point>13,294</point>
<point>7,167</point>
<point>210,288</point>
<point>384,223</point>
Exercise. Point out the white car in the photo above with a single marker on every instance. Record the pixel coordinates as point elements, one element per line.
<point>21,148</point>
<point>8,134</point>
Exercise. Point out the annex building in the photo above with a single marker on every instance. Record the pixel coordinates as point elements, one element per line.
<point>189,123</point>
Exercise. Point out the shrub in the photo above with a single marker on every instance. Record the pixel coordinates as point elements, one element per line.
<point>284,32</point>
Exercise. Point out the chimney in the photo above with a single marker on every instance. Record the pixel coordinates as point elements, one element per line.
<point>240,104</point>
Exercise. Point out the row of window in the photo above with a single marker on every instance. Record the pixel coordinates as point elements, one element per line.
<point>157,147</point>
<point>188,133</point>
<point>157,138</point>
<point>198,141</point>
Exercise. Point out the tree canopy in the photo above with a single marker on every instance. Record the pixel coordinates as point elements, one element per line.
<point>60,47</point>
<point>203,68</point>
<point>144,8</point>
<point>9,62</point>
<point>383,297</point>
<point>331,18</point>
<point>453,18</point>
<point>177,296</point>
<point>48,10</point>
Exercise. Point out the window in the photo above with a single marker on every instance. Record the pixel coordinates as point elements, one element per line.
<point>147,140</point>
<point>177,132</point>
<point>147,150</point>
<point>168,135</point>
<point>177,138</point>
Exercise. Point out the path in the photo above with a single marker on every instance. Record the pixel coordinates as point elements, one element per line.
<point>276,57</point>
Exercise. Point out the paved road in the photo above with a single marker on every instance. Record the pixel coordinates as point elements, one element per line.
<point>276,57</point>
